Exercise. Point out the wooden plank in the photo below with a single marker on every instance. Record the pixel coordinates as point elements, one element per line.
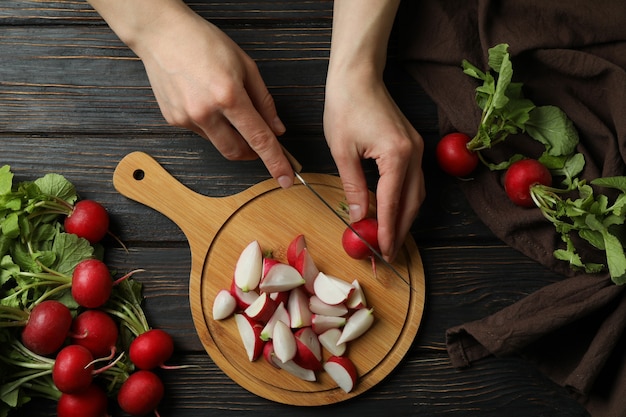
<point>89,161</point>
<point>268,12</point>
<point>423,386</point>
<point>77,79</point>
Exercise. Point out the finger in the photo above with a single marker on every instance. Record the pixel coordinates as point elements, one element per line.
<point>398,206</point>
<point>226,140</point>
<point>263,101</point>
<point>388,196</point>
<point>261,139</point>
<point>354,183</point>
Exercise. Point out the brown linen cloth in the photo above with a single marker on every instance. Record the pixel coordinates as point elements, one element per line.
<point>571,54</point>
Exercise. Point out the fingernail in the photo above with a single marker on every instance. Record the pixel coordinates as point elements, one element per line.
<point>279,127</point>
<point>355,212</point>
<point>285,182</point>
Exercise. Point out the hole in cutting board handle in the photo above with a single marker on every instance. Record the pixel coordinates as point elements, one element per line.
<point>139,174</point>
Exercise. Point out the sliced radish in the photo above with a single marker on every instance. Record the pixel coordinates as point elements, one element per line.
<point>330,289</point>
<point>329,339</point>
<point>280,314</point>
<point>262,309</point>
<point>309,349</point>
<point>280,297</point>
<point>281,277</point>
<point>268,354</point>
<point>356,299</point>
<point>342,371</point>
<point>307,268</point>
<point>295,247</point>
<point>296,370</point>
<point>298,308</point>
<point>250,332</point>
<point>357,324</point>
<point>317,306</point>
<point>320,323</point>
<point>224,305</point>
<point>284,342</point>
<point>244,299</point>
<point>249,267</point>
<point>268,263</point>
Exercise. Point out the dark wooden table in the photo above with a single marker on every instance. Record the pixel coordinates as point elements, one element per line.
<point>75,100</point>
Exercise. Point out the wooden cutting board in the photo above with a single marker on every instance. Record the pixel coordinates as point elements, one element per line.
<point>218,229</point>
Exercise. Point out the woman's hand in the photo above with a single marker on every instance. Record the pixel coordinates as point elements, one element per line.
<point>202,79</point>
<point>361,120</point>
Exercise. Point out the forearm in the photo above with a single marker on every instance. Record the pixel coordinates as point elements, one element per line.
<point>360,35</point>
<point>135,20</point>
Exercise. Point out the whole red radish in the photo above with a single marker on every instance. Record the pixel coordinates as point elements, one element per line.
<point>522,175</point>
<point>89,220</point>
<point>151,349</point>
<point>453,155</point>
<point>367,228</point>
<point>47,327</point>
<point>73,369</point>
<point>92,402</point>
<point>141,393</point>
<point>91,283</point>
<point>96,331</point>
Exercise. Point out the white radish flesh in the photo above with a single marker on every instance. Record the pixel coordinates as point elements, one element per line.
<point>357,324</point>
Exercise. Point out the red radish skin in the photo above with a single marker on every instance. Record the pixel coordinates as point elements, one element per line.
<point>453,155</point>
<point>521,176</point>
<point>151,349</point>
<point>342,371</point>
<point>295,247</point>
<point>141,393</point>
<point>92,402</point>
<point>96,331</point>
<point>47,328</point>
<point>89,220</point>
<point>73,369</point>
<point>91,283</point>
<point>355,248</point>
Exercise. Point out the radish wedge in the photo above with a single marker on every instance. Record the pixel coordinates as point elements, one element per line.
<point>280,314</point>
<point>296,370</point>
<point>284,341</point>
<point>250,333</point>
<point>224,305</point>
<point>329,339</point>
<point>357,324</point>
<point>342,371</point>
<point>281,277</point>
<point>331,290</point>
<point>249,267</point>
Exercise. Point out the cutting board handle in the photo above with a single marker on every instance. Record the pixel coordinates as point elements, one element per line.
<point>141,178</point>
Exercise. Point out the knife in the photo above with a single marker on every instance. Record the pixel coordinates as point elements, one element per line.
<point>297,167</point>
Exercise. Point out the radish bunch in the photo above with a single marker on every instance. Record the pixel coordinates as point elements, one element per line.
<point>298,318</point>
<point>71,332</point>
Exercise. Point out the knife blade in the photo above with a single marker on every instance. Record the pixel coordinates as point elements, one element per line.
<point>297,167</point>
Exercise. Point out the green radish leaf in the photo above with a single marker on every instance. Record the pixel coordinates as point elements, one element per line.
<point>473,71</point>
<point>56,185</point>
<point>551,126</point>
<point>70,250</point>
<point>497,56</point>
<point>6,180</point>
<point>618,183</point>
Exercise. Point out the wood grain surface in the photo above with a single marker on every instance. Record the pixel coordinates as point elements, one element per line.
<point>75,100</point>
